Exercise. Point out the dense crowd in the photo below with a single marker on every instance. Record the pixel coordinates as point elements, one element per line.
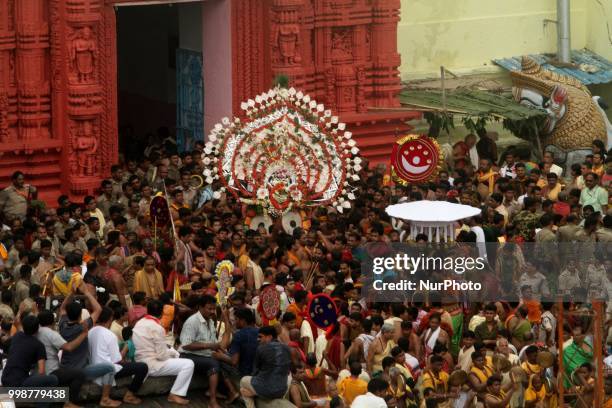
<point>96,290</point>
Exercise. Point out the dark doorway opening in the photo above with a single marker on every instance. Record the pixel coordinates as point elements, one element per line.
<point>149,38</point>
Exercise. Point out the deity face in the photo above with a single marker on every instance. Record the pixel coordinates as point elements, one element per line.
<point>554,104</point>
<point>86,33</point>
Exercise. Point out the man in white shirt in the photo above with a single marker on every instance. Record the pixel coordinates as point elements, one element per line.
<point>377,389</point>
<point>549,158</point>
<point>151,348</point>
<point>470,141</point>
<point>508,170</point>
<point>199,344</point>
<point>473,223</point>
<point>54,343</point>
<point>104,348</point>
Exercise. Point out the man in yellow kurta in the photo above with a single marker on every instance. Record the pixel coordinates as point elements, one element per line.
<point>69,278</point>
<point>149,280</point>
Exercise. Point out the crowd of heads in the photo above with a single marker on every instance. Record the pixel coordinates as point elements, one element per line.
<point>110,249</point>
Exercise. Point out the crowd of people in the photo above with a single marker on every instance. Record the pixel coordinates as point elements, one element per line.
<point>96,290</point>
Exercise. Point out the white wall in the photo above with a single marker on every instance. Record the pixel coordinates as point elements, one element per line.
<point>217,49</point>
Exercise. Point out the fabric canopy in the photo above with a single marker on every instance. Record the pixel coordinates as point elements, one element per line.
<point>433,218</point>
<point>431,211</point>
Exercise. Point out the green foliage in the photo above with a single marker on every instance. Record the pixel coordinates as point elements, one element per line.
<point>282,81</point>
<point>526,129</point>
<point>477,124</point>
<point>438,122</point>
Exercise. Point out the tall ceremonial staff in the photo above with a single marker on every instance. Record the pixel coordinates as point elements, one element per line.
<point>176,292</point>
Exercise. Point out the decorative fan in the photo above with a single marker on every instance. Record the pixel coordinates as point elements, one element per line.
<point>289,153</point>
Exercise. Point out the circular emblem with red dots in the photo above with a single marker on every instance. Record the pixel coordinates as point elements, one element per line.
<point>415,159</point>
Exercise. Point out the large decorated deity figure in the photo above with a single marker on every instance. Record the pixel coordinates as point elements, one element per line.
<point>289,153</point>
<point>575,119</point>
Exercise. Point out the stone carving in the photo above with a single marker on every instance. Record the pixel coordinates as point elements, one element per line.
<point>342,44</point>
<point>287,40</point>
<point>269,38</point>
<point>4,124</point>
<point>83,50</point>
<point>85,148</point>
<point>361,84</point>
<point>574,118</point>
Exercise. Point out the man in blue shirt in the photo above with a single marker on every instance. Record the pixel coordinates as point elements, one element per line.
<point>243,347</point>
<point>271,369</point>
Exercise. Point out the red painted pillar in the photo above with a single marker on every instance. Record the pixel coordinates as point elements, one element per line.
<point>84,68</point>
<point>386,59</point>
<point>8,88</point>
<point>34,107</point>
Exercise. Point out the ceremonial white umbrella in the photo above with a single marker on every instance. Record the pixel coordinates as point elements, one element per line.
<point>436,219</point>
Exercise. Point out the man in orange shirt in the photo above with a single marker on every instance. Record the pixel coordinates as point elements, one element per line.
<point>351,387</point>
<point>297,308</point>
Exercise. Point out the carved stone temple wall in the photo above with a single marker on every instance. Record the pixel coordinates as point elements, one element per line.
<point>58,77</point>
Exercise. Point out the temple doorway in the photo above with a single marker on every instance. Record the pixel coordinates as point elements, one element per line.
<point>159,75</point>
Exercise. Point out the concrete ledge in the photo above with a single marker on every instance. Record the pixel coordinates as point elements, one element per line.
<point>152,386</point>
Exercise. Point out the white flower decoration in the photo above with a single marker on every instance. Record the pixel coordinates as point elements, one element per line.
<point>299,95</point>
<point>340,209</point>
<point>262,193</point>
<point>350,196</point>
<point>206,173</point>
<point>251,103</point>
<point>334,119</point>
<point>296,195</point>
<point>351,142</point>
<point>357,167</point>
<point>209,180</point>
<point>357,160</point>
<point>341,126</point>
<point>346,204</point>
<point>225,121</point>
<point>320,108</point>
<point>306,99</point>
<point>292,91</point>
<point>355,150</point>
<point>217,195</point>
<point>212,137</point>
<point>312,104</point>
<point>244,106</point>
<point>348,135</point>
<point>218,127</point>
<point>355,177</point>
<point>207,150</point>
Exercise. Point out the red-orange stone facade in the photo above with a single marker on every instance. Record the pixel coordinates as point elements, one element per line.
<point>58,77</point>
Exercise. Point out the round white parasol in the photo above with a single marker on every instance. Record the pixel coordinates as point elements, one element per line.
<point>434,218</point>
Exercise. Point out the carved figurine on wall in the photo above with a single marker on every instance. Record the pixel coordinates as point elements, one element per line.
<point>4,123</point>
<point>287,39</point>
<point>86,149</point>
<point>83,51</point>
<point>342,44</point>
